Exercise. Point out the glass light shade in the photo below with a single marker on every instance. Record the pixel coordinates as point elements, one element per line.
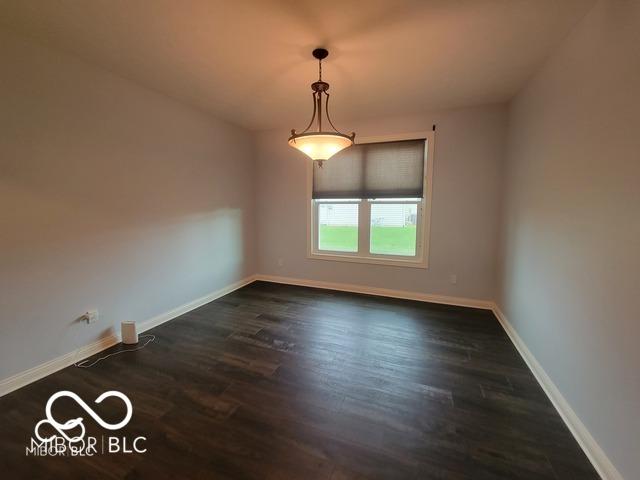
<point>320,146</point>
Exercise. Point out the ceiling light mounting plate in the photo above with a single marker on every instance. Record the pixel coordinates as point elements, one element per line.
<point>321,53</point>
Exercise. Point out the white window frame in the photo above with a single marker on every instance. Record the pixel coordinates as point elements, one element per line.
<point>423,226</point>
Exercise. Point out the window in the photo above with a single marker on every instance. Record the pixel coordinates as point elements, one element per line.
<point>338,227</point>
<point>370,203</point>
<point>393,228</point>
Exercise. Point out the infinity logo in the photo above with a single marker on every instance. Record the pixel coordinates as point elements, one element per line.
<point>78,422</point>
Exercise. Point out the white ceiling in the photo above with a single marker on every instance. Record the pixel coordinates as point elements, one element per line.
<point>250,62</point>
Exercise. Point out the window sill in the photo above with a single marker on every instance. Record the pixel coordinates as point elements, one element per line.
<point>334,257</point>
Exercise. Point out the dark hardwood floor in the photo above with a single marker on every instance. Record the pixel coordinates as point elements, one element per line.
<point>283,382</point>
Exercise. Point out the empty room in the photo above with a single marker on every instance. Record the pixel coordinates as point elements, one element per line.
<point>320,240</point>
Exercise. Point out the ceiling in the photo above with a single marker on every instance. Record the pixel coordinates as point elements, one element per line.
<point>249,61</point>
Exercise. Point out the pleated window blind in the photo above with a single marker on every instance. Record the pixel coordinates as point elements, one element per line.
<point>372,170</point>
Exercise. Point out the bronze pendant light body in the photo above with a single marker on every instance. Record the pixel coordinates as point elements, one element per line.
<point>320,144</point>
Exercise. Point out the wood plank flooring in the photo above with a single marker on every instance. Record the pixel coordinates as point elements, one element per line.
<point>284,382</point>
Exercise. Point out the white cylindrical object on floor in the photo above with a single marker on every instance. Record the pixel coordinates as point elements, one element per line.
<point>129,333</point>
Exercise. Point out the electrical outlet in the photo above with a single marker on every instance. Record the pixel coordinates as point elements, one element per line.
<point>91,316</point>
<point>453,278</point>
<point>280,262</point>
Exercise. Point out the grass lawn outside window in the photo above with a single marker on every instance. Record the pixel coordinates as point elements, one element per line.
<point>384,240</point>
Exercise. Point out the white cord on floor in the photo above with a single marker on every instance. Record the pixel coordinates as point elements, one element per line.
<point>151,339</point>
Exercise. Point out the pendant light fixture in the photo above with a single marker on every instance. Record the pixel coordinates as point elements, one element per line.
<point>320,144</point>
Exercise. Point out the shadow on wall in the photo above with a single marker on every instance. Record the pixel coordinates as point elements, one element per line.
<point>112,197</point>
<point>59,262</point>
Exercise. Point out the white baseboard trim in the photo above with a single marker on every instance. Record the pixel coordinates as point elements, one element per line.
<point>26,377</point>
<point>40,371</point>
<point>187,307</point>
<point>382,292</point>
<point>592,450</point>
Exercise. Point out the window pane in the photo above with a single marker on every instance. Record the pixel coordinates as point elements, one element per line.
<point>338,227</point>
<point>393,229</point>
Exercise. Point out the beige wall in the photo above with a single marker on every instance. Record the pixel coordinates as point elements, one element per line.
<point>467,164</point>
<point>111,197</point>
<point>571,247</point>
